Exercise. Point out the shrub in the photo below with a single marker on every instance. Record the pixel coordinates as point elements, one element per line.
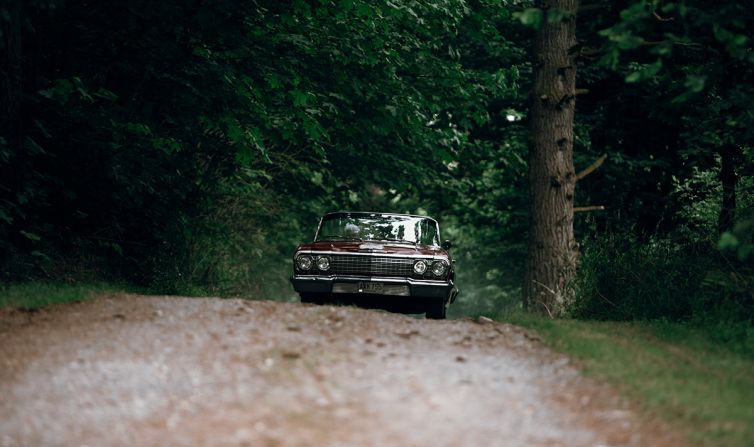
<point>623,278</point>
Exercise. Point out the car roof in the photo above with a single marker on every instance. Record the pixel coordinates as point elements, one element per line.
<point>375,213</point>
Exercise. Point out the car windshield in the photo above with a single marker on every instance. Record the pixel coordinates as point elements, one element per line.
<point>415,230</point>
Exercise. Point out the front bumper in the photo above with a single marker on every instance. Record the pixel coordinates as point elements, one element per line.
<point>391,286</point>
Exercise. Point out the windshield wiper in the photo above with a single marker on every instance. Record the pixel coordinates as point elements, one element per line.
<point>338,238</point>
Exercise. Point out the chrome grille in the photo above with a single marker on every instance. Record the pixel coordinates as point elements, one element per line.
<point>371,265</point>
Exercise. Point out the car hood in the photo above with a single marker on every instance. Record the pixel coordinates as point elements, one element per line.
<point>375,247</point>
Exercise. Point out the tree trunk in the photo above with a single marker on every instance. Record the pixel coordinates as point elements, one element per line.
<point>551,260</point>
<point>11,75</point>
<point>729,181</point>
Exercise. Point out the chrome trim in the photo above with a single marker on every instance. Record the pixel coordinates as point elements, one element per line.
<point>388,289</point>
<point>376,253</point>
<point>319,225</point>
<point>390,280</point>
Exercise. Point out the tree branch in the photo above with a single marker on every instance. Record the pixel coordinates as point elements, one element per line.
<point>592,6</point>
<point>585,209</point>
<point>651,43</point>
<point>593,167</point>
<point>589,52</point>
<point>662,19</point>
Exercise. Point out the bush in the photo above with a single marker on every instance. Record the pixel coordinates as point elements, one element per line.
<point>623,278</point>
<point>38,294</point>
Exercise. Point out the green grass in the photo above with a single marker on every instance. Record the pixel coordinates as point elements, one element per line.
<point>35,295</point>
<point>696,383</point>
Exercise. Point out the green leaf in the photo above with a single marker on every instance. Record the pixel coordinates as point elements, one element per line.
<point>61,91</point>
<point>668,7</point>
<point>745,251</point>
<point>167,145</point>
<point>629,42</point>
<point>646,72</point>
<point>445,156</point>
<point>635,12</point>
<point>317,178</point>
<point>555,15</point>
<point>695,83</point>
<point>31,236</point>
<point>273,81</point>
<point>138,129</point>
<point>299,98</point>
<point>633,77</point>
<point>364,10</point>
<point>244,156</point>
<point>105,94</point>
<point>530,17</point>
<point>727,241</point>
<point>5,217</point>
<point>40,255</point>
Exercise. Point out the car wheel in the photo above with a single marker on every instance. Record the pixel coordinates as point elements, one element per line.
<point>436,310</point>
<point>313,298</point>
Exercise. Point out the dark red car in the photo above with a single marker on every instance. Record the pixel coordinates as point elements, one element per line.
<point>391,261</point>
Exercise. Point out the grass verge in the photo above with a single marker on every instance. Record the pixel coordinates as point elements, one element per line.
<point>35,295</point>
<point>674,371</point>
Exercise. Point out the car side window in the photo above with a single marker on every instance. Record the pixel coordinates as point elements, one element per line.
<point>428,233</point>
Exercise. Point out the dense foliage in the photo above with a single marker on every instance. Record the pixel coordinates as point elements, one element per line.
<point>681,163</point>
<point>188,146</point>
<point>184,143</point>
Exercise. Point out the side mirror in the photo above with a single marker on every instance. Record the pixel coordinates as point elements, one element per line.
<point>446,244</point>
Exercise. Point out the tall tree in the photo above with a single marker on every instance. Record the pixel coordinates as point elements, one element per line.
<point>551,259</point>
<point>11,74</point>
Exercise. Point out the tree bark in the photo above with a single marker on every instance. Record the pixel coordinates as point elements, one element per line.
<point>552,253</point>
<point>729,181</point>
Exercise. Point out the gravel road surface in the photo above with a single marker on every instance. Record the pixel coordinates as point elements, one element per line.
<point>126,370</point>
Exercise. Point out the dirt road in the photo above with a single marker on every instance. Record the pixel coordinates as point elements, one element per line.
<point>154,371</point>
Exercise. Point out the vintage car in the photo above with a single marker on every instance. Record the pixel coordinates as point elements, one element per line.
<point>389,261</point>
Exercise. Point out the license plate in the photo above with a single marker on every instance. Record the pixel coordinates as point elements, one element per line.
<point>371,287</point>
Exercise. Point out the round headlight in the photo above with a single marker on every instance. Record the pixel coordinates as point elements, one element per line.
<point>323,263</point>
<point>304,262</point>
<point>420,267</point>
<point>438,268</point>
